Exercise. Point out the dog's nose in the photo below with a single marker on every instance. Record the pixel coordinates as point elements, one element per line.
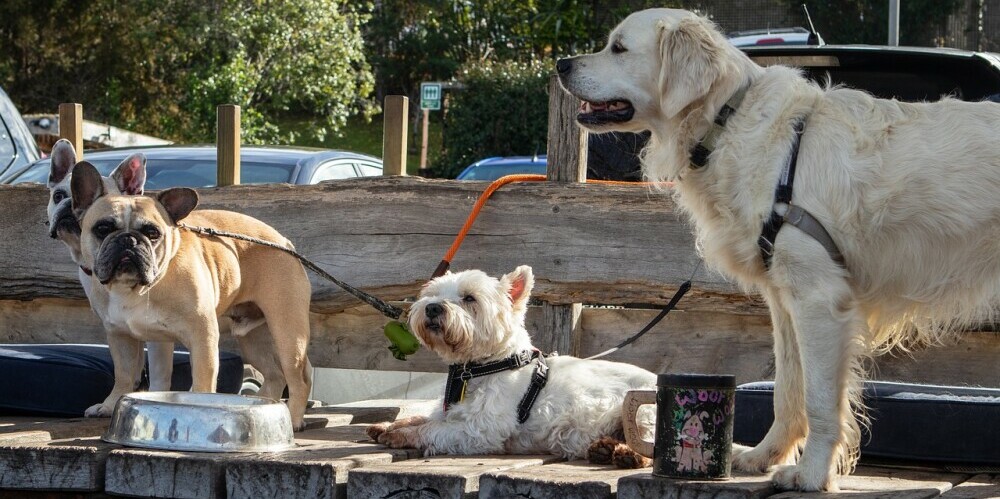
<point>564,66</point>
<point>129,240</point>
<point>433,310</point>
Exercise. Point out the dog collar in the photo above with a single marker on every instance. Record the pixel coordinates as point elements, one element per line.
<point>86,270</point>
<point>460,374</point>
<point>705,146</point>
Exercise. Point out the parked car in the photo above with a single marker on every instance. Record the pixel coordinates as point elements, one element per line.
<point>904,73</point>
<point>17,147</point>
<point>775,36</point>
<point>494,168</point>
<point>195,166</point>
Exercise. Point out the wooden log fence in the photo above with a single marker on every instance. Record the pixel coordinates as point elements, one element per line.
<point>607,245</point>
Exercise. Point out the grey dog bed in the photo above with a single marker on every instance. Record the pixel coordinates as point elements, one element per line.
<point>940,424</point>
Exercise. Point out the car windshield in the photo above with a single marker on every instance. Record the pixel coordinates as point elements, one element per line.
<point>166,173</point>
<point>493,172</point>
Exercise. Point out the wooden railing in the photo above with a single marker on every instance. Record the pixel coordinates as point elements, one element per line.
<point>588,244</point>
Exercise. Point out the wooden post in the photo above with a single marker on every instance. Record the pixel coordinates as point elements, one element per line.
<point>423,140</point>
<point>567,141</point>
<point>71,126</point>
<point>227,144</point>
<point>567,162</point>
<point>394,132</point>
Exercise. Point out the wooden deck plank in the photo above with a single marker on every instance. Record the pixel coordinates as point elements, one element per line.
<point>65,465</point>
<point>977,487</point>
<point>646,486</point>
<point>868,482</point>
<point>14,430</point>
<point>158,473</point>
<point>576,479</point>
<point>311,471</point>
<point>316,469</point>
<point>442,477</point>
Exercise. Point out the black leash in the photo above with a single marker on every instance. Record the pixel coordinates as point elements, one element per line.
<point>681,291</point>
<point>380,305</point>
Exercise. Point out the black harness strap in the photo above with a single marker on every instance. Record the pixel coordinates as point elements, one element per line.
<point>794,215</point>
<point>460,374</point>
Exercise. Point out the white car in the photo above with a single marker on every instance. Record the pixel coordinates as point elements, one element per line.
<point>775,36</point>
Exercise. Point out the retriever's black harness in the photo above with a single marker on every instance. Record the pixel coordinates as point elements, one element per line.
<point>460,374</point>
<point>782,209</point>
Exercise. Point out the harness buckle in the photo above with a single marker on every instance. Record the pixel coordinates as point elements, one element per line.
<point>765,245</point>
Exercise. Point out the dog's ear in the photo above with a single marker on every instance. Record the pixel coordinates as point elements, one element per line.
<point>691,54</point>
<point>86,187</point>
<point>518,285</point>
<point>63,157</point>
<point>130,175</point>
<point>179,202</point>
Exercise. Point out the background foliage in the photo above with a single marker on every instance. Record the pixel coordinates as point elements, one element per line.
<point>867,21</point>
<point>503,111</point>
<point>162,67</point>
<point>301,68</point>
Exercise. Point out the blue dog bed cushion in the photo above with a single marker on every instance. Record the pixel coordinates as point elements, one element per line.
<point>943,424</point>
<point>64,380</point>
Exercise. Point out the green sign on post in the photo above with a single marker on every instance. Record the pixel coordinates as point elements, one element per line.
<point>430,96</point>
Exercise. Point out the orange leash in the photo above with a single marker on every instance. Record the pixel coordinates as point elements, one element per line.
<point>496,184</point>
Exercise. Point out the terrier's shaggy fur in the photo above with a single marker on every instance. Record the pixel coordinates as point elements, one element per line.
<point>477,318</point>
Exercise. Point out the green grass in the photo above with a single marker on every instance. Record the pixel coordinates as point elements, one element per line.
<point>366,137</point>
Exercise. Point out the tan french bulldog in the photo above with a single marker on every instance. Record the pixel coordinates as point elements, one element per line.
<point>129,177</point>
<point>165,283</point>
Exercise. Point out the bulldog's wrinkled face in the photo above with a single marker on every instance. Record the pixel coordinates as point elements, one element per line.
<point>127,239</point>
<point>129,177</point>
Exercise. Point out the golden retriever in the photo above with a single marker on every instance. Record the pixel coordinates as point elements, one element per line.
<point>910,193</point>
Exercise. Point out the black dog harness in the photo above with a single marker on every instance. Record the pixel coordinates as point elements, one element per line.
<point>793,214</point>
<point>460,374</point>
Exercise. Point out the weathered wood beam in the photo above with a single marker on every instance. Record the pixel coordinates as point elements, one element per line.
<point>586,243</point>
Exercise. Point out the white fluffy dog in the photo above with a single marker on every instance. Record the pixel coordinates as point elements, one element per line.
<point>910,193</point>
<point>471,319</point>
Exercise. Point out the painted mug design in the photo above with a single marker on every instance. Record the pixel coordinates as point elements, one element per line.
<point>694,424</point>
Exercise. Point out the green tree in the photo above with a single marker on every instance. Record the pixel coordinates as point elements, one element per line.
<point>161,67</point>
<point>867,21</point>
<point>503,111</point>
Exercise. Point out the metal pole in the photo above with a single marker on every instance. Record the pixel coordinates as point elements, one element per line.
<point>894,23</point>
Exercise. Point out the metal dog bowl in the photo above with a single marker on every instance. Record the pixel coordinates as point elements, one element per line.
<point>208,422</point>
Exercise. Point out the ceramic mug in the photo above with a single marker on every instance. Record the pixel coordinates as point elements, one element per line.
<point>694,425</point>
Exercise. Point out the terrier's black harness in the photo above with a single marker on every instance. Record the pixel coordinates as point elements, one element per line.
<point>782,209</point>
<point>460,374</point>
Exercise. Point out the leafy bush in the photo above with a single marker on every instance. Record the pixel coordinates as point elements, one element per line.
<point>502,111</point>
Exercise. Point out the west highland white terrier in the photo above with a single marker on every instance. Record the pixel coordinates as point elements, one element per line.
<point>503,396</point>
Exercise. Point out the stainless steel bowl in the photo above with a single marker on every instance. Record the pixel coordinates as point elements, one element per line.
<point>208,422</point>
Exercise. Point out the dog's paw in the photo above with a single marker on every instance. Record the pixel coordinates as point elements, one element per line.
<point>98,411</point>
<point>376,430</point>
<point>602,450</point>
<point>758,459</point>
<point>804,479</point>
<point>401,438</point>
<point>626,458</point>
<point>299,425</point>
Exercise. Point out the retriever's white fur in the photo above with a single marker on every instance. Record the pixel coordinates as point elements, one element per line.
<point>910,192</point>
